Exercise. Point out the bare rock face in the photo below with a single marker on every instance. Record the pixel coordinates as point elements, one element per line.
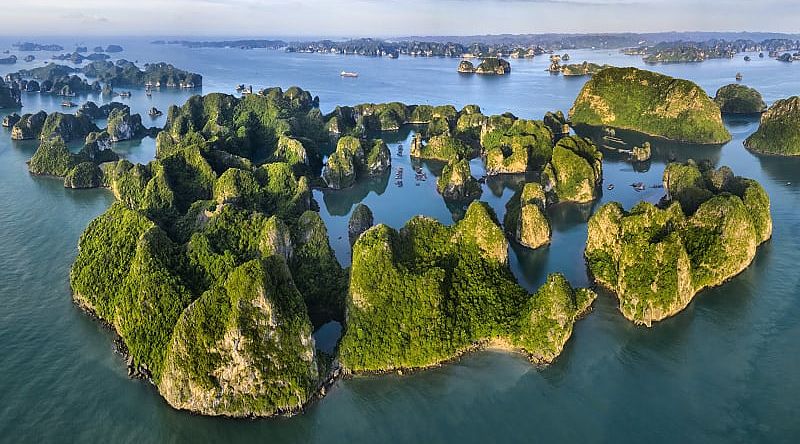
<point>642,153</point>
<point>360,221</point>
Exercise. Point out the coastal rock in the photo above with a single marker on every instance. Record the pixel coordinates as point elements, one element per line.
<point>739,99</point>
<point>779,130</point>
<point>341,169</point>
<point>581,69</point>
<point>360,221</point>
<point>97,148</point>
<point>525,218</point>
<point>378,159</point>
<point>642,153</point>
<point>11,120</point>
<point>575,172</point>
<point>524,145</point>
<point>557,123</point>
<point>493,66</point>
<point>122,125</point>
<point>656,259</point>
<point>650,103</point>
<point>466,67</point>
<point>442,148</point>
<point>456,182</point>
<point>52,158</point>
<point>10,96</point>
<point>29,126</point>
<point>401,316</point>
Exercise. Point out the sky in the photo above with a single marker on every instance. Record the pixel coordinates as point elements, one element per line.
<point>389,18</point>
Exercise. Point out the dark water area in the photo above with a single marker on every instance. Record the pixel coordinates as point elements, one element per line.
<point>726,369</point>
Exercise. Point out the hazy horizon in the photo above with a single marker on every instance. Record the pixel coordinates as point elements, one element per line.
<point>391,18</point>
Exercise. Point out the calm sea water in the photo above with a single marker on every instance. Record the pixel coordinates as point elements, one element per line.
<point>727,369</point>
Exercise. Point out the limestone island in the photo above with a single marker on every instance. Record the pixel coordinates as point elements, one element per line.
<point>650,103</point>
<point>656,258</point>
<point>404,310</point>
<point>10,96</point>
<point>779,130</point>
<point>489,66</point>
<point>214,269</point>
<point>739,99</point>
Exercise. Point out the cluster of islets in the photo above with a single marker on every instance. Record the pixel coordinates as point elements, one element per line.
<point>214,268</point>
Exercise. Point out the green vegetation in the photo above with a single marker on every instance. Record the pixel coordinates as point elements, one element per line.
<point>10,97</point>
<point>650,103</point>
<point>516,146</point>
<point>204,250</point>
<point>582,69</point>
<point>66,126</point>
<point>657,258</point>
<point>125,73</point>
<point>442,148</point>
<point>779,131</point>
<point>575,172</point>
<point>739,99</point>
<point>354,157</point>
<point>429,292</point>
<point>525,219</point>
<point>29,126</point>
<point>243,348</point>
<point>456,182</point>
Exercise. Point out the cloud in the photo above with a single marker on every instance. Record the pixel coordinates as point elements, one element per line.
<point>84,18</point>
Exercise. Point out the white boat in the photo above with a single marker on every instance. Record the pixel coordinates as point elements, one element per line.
<point>349,74</point>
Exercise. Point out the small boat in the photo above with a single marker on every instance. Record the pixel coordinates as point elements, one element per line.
<point>349,74</point>
<point>610,186</point>
<point>739,77</point>
<point>68,104</point>
<point>746,58</point>
<point>125,94</point>
<point>154,112</point>
<point>638,186</point>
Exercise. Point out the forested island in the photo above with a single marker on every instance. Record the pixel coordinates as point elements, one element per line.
<point>779,130</point>
<point>650,103</point>
<point>214,265</point>
<point>657,258</point>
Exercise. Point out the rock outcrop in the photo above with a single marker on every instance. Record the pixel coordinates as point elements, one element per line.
<point>575,172</point>
<point>526,221</point>
<point>650,103</point>
<point>29,126</point>
<point>456,182</point>
<point>360,221</point>
<point>353,157</point>
<point>516,146</point>
<point>10,96</point>
<point>122,125</point>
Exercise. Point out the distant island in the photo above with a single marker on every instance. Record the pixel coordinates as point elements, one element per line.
<point>489,66</point>
<point>667,47</point>
<point>65,81</point>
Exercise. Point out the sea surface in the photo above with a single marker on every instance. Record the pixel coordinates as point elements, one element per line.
<point>726,369</point>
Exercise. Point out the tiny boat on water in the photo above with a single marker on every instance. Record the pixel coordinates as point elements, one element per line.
<point>349,74</point>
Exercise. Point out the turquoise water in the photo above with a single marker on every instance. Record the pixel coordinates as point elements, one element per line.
<point>724,370</point>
